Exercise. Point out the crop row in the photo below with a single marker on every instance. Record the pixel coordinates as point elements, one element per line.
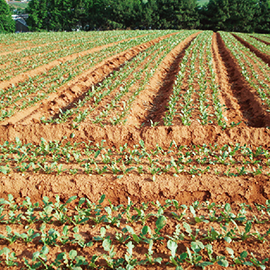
<point>14,42</point>
<point>59,157</point>
<point>22,41</point>
<point>17,67</point>
<point>196,91</point>
<point>254,42</point>
<point>262,37</point>
<point>27,52</point>
<point>120,84</point>
<point>254,70</point>
<point>25,94</point>
<point>118,234</point>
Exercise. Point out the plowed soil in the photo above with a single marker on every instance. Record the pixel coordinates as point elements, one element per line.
<point>235,93</point>
<point>243,107</point>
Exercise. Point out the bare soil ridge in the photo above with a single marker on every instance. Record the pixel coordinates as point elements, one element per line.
<point>119,135</point>
<point>185,189</point>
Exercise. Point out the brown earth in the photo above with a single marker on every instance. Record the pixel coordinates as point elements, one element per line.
<point>184,188</point>
<point>150,103</point>
<point>233,110</point>
<point>236,94</point>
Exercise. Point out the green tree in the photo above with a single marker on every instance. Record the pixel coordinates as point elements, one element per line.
<point>34,21</point>
<point>261,19</point>
<point>214,15</point>
<point>241,13</point>
<point>7,24</point>
<point>229,15</point>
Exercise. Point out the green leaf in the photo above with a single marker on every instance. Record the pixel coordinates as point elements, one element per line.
<point>223,262</point>
<point>130,169</point>
<point>145,230</point>
<point>97,153</point>
<point>192,210</point>
<point>35,255</point>
<point>136,238</point>
<point>130,247</point>
<point>243,254</point>
<point>204,264</point>
<point>161,222</point>
<point>72,254</point>
<point>248,226</point>
<point>102,199</point>
<point>106,244</point>
<point>187,227</point>
<point>228,239</point>
<point>228,207</point>
<point>102,231</point>
<point>230,251</point>
<point>183,256</point>
<point>8,229</point>
<point>71,199</point>
<point>172,246</point>
<point>5,250</point>
<point>129,229</point>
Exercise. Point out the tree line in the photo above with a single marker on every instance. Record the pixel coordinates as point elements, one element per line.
<point>7,24</point>
<point>227,15</point>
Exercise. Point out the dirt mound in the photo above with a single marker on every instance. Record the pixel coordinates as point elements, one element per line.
<point>119,135</point>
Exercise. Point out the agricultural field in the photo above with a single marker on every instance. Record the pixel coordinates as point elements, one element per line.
<point>135,150</point>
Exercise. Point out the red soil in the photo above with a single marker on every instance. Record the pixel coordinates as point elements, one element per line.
<point>236,94</point>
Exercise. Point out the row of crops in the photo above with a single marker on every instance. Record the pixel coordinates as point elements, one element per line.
<point>255,71</point>
<point>35,89</point>
<point>127,236</point>
<point>196,94</point>
<point>87,158</point>
<point>120,89</point>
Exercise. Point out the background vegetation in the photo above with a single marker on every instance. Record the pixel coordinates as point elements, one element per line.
<point>228,15</point>
<point>6,22</point>
<point>68,15</point>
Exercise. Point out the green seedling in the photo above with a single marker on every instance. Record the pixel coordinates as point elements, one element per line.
<point>175,260</point>
<point>10,258</point>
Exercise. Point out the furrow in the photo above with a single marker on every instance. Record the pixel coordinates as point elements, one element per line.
<point>263,56</point>
<point>261,40</point>
<point>248,100</point>
<point>233,112</point>
<point>155,97</point>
